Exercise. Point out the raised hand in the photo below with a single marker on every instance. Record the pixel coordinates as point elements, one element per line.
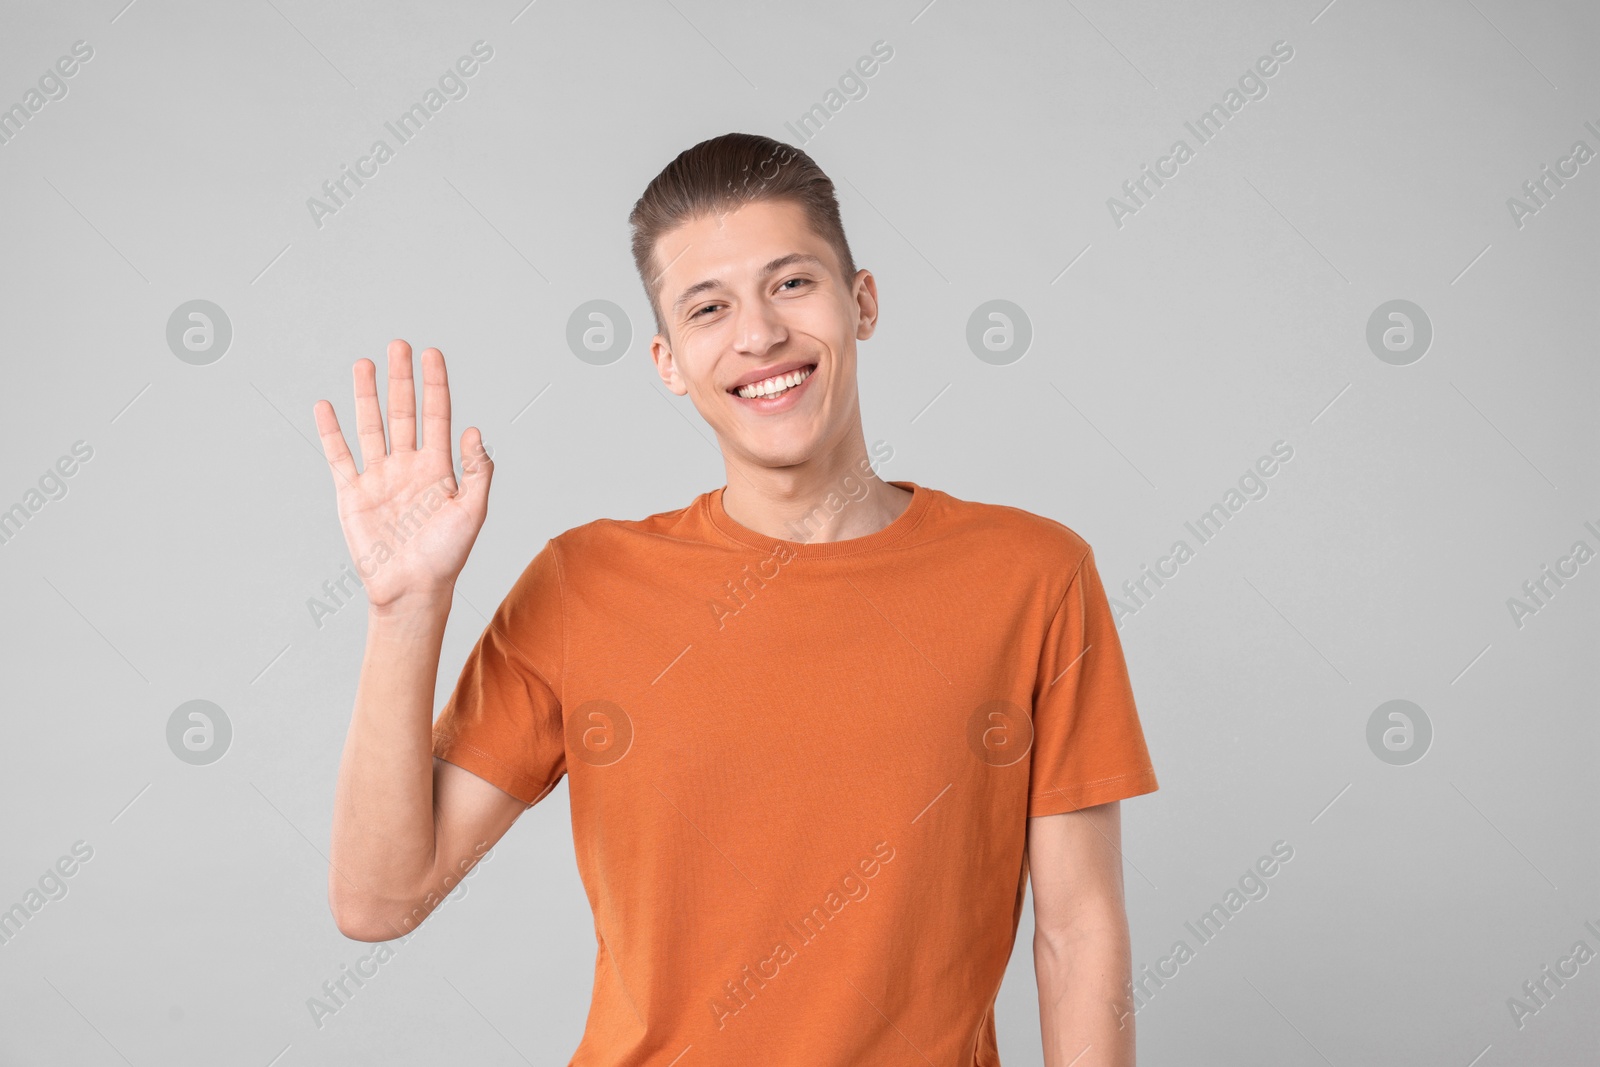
<point>408,524</point>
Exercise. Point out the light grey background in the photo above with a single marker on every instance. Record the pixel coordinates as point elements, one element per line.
<point>1168,354</point>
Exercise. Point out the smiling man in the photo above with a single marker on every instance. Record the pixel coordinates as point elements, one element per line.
<point>805,816</point>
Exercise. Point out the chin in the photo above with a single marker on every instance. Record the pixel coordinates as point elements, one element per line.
<point>782,459</point>
<point>781,453</point>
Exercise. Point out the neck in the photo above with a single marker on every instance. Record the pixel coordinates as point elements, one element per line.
<point>830,497</point>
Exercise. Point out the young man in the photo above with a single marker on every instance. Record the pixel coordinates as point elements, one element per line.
<point>818,728</point>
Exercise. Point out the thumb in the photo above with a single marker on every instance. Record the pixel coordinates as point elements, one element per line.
<point>477,468</point>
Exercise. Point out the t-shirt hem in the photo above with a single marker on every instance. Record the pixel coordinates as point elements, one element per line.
<point>1088,794</point>
<point>469,757</point>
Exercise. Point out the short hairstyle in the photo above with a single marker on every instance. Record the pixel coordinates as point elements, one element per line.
<point>723,174</point>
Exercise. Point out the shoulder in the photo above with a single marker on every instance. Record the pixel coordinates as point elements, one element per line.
<point>607,540</point>
<point>1012,532</point>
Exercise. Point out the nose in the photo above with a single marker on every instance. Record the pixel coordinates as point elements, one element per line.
<point>757,328</point>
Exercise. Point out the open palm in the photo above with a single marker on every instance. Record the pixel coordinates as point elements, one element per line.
<point>409,525</point>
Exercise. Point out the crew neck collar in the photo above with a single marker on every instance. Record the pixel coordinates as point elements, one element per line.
<point>902,524</point>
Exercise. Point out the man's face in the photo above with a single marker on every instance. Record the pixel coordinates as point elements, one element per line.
<point>755,293</point>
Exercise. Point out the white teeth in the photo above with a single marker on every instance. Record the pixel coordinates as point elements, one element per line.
<point>774,386</point>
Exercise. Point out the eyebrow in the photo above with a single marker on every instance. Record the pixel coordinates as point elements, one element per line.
<point>715,283</point>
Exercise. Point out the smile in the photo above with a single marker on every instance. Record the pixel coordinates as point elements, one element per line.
<point>771,388</point>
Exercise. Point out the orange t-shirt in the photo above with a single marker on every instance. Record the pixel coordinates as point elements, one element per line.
<point>801,774</point>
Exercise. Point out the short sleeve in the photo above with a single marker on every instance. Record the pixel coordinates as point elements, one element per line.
<point>503,721</point>
<point>1088,745</point>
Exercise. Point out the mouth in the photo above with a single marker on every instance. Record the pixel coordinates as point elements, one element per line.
<point>777,392</point>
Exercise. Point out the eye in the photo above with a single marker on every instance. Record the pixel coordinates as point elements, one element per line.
<point>802,281</point>
<point>703,310</point>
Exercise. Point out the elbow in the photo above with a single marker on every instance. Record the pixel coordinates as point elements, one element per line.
<point>369,928</point>
<point>1099,931</point>
<point>357,930</point>
<point>365,921</point>
<point>356,924</point>
<point>355,933</point>
<point>1054,949</point>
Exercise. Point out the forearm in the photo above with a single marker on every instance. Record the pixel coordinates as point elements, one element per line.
<point>383,845</point>
<point>1085,1008</point>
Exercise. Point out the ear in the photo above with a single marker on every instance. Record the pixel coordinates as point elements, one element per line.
<point>865,291</point>
<point>666,366</point>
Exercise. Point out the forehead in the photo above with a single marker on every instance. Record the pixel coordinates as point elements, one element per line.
<point>727,244</point>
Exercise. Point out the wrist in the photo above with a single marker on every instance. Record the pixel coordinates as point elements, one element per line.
<point>413,607</point>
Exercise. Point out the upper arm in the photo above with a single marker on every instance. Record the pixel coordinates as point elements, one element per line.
<point>470,815</point>
<point>499,744</point>
<point>1075,863</point>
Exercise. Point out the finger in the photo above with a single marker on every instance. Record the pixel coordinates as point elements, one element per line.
<point>477,469</point>
<point>333,443</point>
<point>402,399</point>
<point>435,402</point>
<point>369,419</point>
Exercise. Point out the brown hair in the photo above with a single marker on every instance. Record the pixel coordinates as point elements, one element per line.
<point>723,174</point>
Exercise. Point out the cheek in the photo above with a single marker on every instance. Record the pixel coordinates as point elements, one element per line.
<point>826,320</point>
<point>696,364</point>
